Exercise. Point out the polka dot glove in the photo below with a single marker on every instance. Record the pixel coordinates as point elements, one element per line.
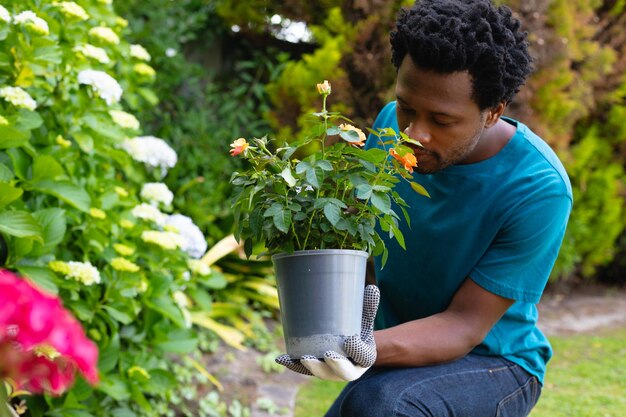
<point>360,349</point>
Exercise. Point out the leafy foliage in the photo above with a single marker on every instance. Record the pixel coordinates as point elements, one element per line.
<point>334,197</point>
<point>75,217</point>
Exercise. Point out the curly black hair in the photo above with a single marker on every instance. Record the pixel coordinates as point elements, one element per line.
<point>446,36</point>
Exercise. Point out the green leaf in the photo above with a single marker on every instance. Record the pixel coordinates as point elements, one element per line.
<point>66,191</point>
<point>282,220</point>
<point>397,234</point>
<point>332,213</point>
<point>50,54</point>
<point>118,315</point>
<point>381,202</point>
<point>273,209</point>
<point>114,386</point>
<point>9,194</point>
<point>288,177</point>
<point>166,307</point>
<point>419,189</point>
<point>46,167</point>
<point>324,165</point>
<point>21,162</point>
<point>20,224</point>
<point>311,177</point>
<point>302,167</point>
<point>333,130</point>
<point>350,136</point>
<point>11,137</point>
<point>160,381</point>
<point>41,276</point>
<point>28,120</point>
<point>363,191</point>
<point>84,140</point>
<point>53,223</point>
<point>6,174</point>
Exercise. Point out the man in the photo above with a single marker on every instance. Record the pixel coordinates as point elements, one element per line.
<point>457,331</point>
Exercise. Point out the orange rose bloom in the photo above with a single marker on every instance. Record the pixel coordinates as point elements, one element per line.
<point>408,160</point>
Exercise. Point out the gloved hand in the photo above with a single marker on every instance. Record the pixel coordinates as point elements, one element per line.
<point>360,349</point>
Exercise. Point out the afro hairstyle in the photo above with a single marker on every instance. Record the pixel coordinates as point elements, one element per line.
<point>476,36</point>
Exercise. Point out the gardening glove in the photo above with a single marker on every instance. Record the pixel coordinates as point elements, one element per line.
<point>360,349</point>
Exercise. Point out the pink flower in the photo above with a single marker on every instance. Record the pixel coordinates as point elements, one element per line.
<point>41,344</point>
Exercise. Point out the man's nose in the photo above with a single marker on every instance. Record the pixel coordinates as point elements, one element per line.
<point>417,132</point>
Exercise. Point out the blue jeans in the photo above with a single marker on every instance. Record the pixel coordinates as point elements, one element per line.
<point>473,386</point>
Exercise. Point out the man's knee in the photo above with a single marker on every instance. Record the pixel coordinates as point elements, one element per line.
<point>374,398</point>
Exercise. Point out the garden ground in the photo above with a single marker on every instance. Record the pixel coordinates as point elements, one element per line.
<point>564,310</point>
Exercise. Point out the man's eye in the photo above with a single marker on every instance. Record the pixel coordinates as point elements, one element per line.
<point>406,109</point>
<point>442,123</point>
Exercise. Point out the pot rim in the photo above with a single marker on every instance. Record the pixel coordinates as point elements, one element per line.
<point>315,252</point>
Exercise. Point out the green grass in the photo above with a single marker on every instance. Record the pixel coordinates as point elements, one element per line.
<point>586,378</point>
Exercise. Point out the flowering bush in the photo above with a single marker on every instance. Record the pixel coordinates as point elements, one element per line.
<point>335,197</point>
<point>85,215</point>
<point>41,344</point>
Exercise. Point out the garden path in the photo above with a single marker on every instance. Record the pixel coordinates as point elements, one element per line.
<point>562,311</point>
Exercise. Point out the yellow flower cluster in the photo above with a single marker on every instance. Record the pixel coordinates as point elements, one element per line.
<point>144,70</point>
<point>96,213</point>
<point>32,22</point>
<point>72,10</point>
<point>124,265</point>
<point>62,142</point>
<point>83,272</point>
<point>18,97</point>
<point>93,52</point>
<point>120,191</point>
<point>105,35</point>
<point>124,120</point>
<point>139,52</point>
<point>166,240</point>
<point>123,250</point>
<point>198,267</point>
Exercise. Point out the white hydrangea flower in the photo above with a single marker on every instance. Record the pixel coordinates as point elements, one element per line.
<point>125,120</point>
<point>30,20</point>
<point>166,240</point>
<point>157,192</point>
<point>148,212</point>
<point>93,52</point>
<point>194,242</point>
<point>104,34</point>
<point>83,272</point>
<point>139,52</point>
<point>5,16</point>
<point>103,85</point>
<point>72,10</point>
<point>152,151</point>
<point>18,97</point>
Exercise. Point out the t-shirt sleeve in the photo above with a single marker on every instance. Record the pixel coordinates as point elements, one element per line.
<point>386,118</point>
<point>518,263</point>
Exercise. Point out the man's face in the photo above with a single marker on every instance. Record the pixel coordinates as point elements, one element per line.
<point>438,111</point>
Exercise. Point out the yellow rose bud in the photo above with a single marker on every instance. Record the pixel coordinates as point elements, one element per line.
<point>324,88</point>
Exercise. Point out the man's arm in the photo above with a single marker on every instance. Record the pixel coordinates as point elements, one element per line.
<point>445,336</point>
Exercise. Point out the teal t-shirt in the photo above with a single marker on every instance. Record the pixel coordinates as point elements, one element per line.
<point>500,222</point>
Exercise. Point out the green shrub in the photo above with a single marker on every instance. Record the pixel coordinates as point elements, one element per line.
<point>83,212</point>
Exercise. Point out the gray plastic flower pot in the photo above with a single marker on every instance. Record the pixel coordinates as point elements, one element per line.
<point>321,298</point>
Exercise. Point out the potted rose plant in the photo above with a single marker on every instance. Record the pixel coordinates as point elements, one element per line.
<point>318,205</point>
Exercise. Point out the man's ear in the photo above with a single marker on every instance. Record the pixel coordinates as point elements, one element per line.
<point>493,114</point>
